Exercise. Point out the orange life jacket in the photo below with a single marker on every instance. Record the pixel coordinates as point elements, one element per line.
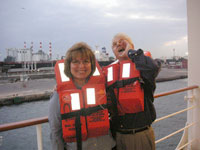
<point>87,105</point>
<point>125,79</point>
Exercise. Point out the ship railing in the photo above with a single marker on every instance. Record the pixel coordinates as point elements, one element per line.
<point>31,122</point>
<point>190,98</point>
<point>39,121</point>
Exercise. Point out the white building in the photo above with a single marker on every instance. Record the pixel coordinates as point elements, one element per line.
<point>101,56</point>
<point>20,55</point>
<point>40,56</point>
<point>26,55</point>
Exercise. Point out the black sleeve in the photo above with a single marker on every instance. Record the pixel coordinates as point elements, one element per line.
<point>148,68</point>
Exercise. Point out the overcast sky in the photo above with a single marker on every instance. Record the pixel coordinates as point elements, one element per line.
<point>158,26</point>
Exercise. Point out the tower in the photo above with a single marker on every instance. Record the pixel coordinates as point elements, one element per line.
<point>50,52</point>
<point>24,44</point>
<point>41,45</point>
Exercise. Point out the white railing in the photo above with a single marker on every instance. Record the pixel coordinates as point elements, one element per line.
<point>39,121</point>
<point>21,124</point>
<point>191,98</point>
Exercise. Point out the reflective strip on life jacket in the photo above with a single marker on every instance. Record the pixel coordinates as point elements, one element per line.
<point>96,73</point>
<point>90,92</point>
<point>110,74</point>
<point>109,71</point>
<point>75,101</point>
<point>126,70</point>
<point>63,82</point>
<point>63,77</point>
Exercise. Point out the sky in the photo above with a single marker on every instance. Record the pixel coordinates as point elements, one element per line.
<point>158,26</point>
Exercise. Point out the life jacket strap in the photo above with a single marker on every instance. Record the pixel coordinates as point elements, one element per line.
<point>123,83</point>
<point>77,115</point>
<point>83,111</point>
<point>120,84</point>
<point>78,132</point>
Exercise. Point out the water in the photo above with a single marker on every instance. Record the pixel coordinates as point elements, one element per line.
<point>167,105</point>
<point>25,138</point>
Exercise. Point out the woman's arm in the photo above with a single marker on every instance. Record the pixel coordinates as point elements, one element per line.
<point>55,123</point>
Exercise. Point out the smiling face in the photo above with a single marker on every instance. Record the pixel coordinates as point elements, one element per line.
<point>80,68</point>
<point>80,63</point>
<point>121,44</point>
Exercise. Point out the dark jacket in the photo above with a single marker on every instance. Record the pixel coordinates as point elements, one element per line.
<point>148,70</point>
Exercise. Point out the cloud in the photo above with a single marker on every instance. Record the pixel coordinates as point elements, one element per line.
<point>177,47</point>
<point>63,22</point>
<point>107,14</point>
<point>144,16</point>
<point>182,40</point>
<point>108,4</point>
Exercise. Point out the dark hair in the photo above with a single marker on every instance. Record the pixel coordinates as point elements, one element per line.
<point>85,51</point>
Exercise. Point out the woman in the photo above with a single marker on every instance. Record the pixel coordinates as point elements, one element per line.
<point>79,66</point>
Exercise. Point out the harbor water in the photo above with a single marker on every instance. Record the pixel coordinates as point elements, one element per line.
<point>25,138</point>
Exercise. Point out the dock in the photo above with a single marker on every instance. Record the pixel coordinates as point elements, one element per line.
<point>41,88</point>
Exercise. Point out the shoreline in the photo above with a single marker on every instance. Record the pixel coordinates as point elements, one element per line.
<point>171,78</point>
<point>42,88</point>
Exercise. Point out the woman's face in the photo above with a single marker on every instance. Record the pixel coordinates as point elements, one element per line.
<point>80,67</point>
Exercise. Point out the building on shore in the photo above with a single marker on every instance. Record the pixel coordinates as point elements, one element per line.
<point>27,58</point>
<point>25,55</point>
<point>101,55</point>
<point>179,63</point>
<point>40,56</point>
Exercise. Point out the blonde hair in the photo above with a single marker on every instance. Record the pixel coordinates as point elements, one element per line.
<point>123,36</point>
<point>85,51</point>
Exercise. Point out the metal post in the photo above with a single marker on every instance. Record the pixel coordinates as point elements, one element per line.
<point>31,66</point>
<point>193,12</point>
<point>190,117</point>
<point>39,136</point>
<point>35,66</point>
